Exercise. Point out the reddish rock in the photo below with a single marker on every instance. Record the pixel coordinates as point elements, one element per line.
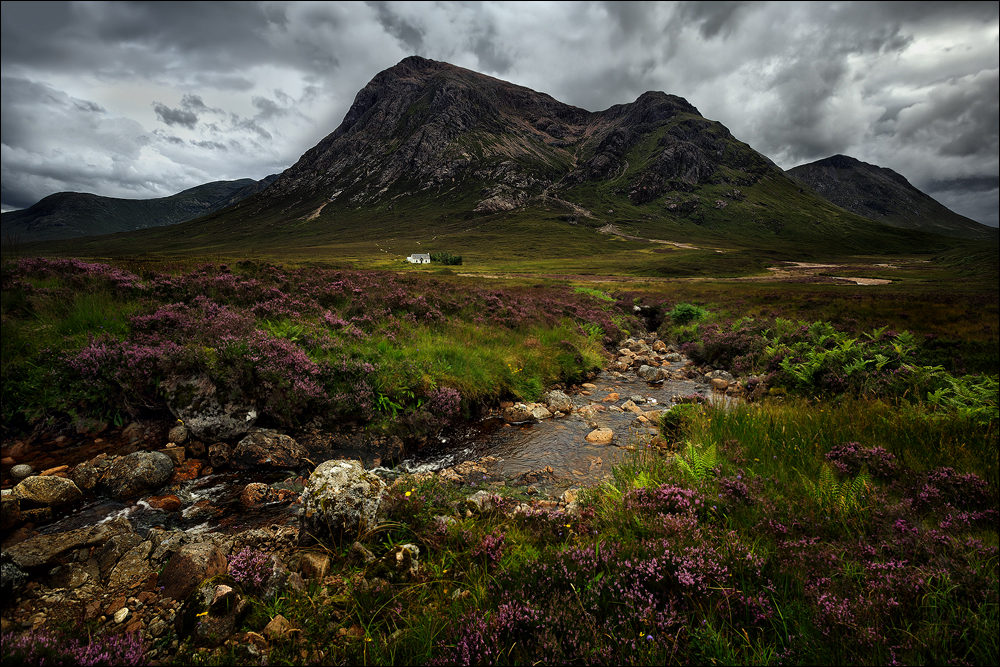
<point>187,470</point>
<point>19,450</point>
<point>53,471</point>
<point>611,398</point>
<point>169,503</point>
<point>8,462</point>
<point>256,494</point>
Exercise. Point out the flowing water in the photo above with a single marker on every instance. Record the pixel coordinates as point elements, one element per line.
<point>211,503</point>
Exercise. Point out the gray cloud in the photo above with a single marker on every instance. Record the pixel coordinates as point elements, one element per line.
<point>909,86</point>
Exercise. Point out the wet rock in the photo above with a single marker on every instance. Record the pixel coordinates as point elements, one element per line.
<point>212,611</point>
<point>187,471</point>
<point>21,471</point>
<point>519,413</point>
<point>133,432</point>
<point>178,434</point>
<point>189,566</point>
<point>43,549</point>
<point>10,512</point>
<point>169,503</point>
<point>540,412</point>
<point>601,436</point>
<point>257,494</point>
<point>611,398</point>
<point>720,375</point>
<point>659,346</point>
<point>48,491</point>
<point>558,401</point>
<point>219,454</point>
<point>652,373</point>
<point>135,474</point>
<point>341,499</point>
<point>673,357</point>
<point>85,476</point>
<point>195,401</point>
<point>133,567</point>
<point>268,449</point>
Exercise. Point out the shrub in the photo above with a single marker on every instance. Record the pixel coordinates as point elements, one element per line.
<point>685,313</point>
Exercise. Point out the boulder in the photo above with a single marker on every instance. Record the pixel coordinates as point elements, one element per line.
<point>113,550</point>
<point>85,476</point>
<point>135,474</point>
<point>719,384</point>
<point>48,491</point>
<point>268,449</point>
<point>341,500</point>
<point>601,436</point>
<point>314,565</point>
<point>12,578</point>
<point>481,502</point>
<point>558,401</point>
<point>178,434</point>
<point>189,566</point>
<point>195,401</point>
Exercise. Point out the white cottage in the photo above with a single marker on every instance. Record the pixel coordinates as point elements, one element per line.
<point>419,258</point>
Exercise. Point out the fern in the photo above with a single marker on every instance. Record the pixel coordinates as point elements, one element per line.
<point>841,499</point>
<point>699,464</point>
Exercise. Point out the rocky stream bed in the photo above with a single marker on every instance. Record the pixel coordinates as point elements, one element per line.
<point>135,528</point>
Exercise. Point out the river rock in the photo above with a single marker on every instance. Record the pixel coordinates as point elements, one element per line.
<point>601,436</point>
<point>113,550</point>
<point>168,503</point>
<point>481,502</point>
<point>540,412</point>
<point>43,549</point>
<point>85,476</point>
<point>21,471</point>
<point>652,373</point>
<point>256,494</point>
<point>518,413</point>
<point>48,491</point>
<point>178,435</point>
<point>719,384</point>
<point>189,566</point>
<point>135,474</point>
<point>194,400</point>
<point>340,500</point>
<point>558,401</point>
<point>268,449</point>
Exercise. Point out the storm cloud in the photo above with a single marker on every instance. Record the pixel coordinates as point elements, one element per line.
<point>146,99</point>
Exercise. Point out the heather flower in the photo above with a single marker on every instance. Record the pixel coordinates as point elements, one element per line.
<point>251,568</point>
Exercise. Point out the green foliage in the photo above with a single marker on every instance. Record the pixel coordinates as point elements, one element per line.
<point>597,294</point>
<point>675,422</point>
<point>698,463</point>
<point>446,258</point>
<point>845,500</point>
<point>686,313</point>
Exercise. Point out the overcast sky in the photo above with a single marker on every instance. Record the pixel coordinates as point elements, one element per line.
<point>142,100</point>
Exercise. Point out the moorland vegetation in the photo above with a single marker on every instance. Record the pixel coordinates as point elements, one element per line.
<point>846,514</point>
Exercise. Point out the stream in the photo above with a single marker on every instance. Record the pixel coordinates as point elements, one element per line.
<point>509,454</point>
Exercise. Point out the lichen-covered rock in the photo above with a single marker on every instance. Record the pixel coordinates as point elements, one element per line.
<point>257,494</point>
<point>652,373</point>
<point>268,449</point>
<point>12,578</point>
<point>49,491</point>
<point>195,401</point>
<point>518,413</point>
<point>135,474</point>
<point>85,476</point>
<point>341,500</point>
<point>10,512</point>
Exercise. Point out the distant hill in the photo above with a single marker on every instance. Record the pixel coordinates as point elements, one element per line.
<point>882,194</point>
<point>433,152</point>
<point>73,214</point>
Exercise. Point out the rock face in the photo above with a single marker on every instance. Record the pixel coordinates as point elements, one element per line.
<point>136,473</point>
<point>195,401</point>
<point>49,491</point>
<point>340,501</point>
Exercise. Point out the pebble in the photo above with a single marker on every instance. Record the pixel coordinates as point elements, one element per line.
<point>122,615</point>
<point>21,471</point>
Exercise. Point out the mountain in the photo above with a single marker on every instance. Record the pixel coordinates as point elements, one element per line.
<point>433,152</point>
<point>73,214</point>
<point>882,194</point>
